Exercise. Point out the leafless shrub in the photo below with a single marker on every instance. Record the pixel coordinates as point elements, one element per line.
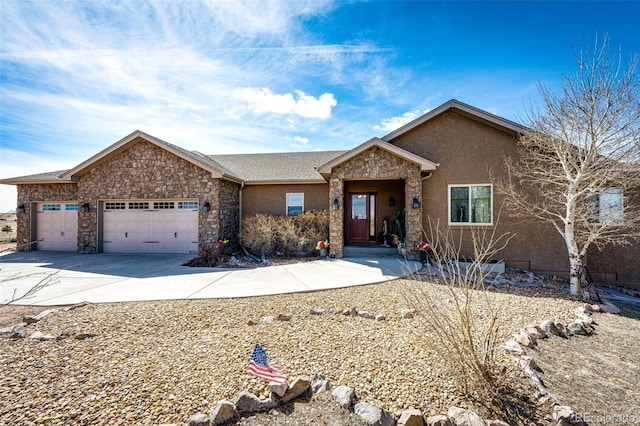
<point>459,313</point>
<point>285,235</point>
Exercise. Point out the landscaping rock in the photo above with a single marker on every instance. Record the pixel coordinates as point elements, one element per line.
<point>350,312</point>
<point>373,414</point>
<point>320,384</point>
<point>248,403</point>
<point>6,331</point>
<point>525,339</point>
<point>298,387</point>
<point>83,336</point>
<point>439,420</point>
<point>252,322</point>
<point>406,313</point>
<point>497,423</point>
<point>38,335</point>
<point>367,315</point>
<point>536,332</point>
<point>562,331</point>
<point>223,412</point>
<point>513,348</point>
<point>268,319</point>
<point>284,317</point>
<point>381,317</point>
<point>564,415</point>
<point>549,327</point>
<point>344,395</point>
<point>462,417</point>
<point>317,311</point>
<point>198,419</point>
<point>609,308</point>
<point>18,331</point>
<point>278,388</point>
<point>577,327</point>
<point>411,417</point>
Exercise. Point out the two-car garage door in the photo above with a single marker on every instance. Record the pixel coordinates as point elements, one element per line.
<point>143,226</point>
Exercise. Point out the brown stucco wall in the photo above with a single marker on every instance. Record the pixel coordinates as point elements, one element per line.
<point>271,199</point>
<point>27,194</point>
<point>470,152</point>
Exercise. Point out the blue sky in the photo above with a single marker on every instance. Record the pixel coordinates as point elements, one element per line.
<point>265,76</point>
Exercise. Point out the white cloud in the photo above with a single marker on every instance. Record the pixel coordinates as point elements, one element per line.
<point>390,124</point>
<point>261,101</point>
<point>299,142</point>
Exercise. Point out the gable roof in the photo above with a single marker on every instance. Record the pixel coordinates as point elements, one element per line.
<point>49,177</point>
<point>193,157</point>
<point>281,167</point>
<point>463,109</point>
<point>425,165</point>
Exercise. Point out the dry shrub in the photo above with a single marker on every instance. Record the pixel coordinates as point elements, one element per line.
<point>209,255</point>
<point>459,314</point>
<point>269,235</point>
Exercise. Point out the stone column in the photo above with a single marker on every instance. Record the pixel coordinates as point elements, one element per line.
<point>413,217</point>
<point>336,217</point>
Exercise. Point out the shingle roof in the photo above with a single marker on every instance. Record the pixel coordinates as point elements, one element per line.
<point>48,177</point>
<point>277,167</point>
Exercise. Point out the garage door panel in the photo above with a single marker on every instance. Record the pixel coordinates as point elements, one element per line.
<point>57,226</point>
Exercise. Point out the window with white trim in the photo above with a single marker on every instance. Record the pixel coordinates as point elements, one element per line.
<point>471,204</point>
<point>605,206</point>
<point>295,203</point>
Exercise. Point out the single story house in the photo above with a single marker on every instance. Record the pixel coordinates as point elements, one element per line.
<point>145,195</point>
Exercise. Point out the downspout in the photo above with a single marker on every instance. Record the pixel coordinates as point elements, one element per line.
<point>240,214</point>
<point>427,176</point>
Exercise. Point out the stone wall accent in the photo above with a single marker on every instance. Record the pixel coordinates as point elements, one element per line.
<point>376,163</point>
<point>145,171</point>
<point>27,194</point>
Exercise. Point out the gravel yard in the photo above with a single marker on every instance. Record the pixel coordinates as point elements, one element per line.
<point>159,362</point>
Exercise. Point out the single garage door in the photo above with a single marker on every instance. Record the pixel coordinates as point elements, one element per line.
<point>142,226</point>
<point>57,226</point>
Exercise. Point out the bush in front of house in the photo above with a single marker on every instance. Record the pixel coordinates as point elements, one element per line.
<point>280,235</point>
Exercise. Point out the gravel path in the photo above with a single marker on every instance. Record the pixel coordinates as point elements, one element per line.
<point>159,362</point>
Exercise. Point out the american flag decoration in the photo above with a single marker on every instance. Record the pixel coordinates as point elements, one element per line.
<point>259,366</point>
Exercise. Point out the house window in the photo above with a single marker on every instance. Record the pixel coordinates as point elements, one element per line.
<point>295,203</point>
<point>470,204</point>
<point>604,206</point>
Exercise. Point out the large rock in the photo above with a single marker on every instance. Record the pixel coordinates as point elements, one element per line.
<point>549,327</point>
<point>564,415</point>
<point>298,387</point>
<point>462,417</point>
<point>525,339</point>
<point>18,331</point>
<point>439,420</point>
<point>278,388</point>
<point>198,419</point>
<point>320,384</point>
<point>373,414</point>
<point>577,327</point>
<point>248,403</point>
<point>344,395</point>
<point>411,417</point>
<point>223,412</point>
<point>513,348</point>
<point>609,308</point>
<point>536,332</point>
<point>38,335</point>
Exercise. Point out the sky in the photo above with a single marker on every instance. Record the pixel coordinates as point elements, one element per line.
<point>224,77</point>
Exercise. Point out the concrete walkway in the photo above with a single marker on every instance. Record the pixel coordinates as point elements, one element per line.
<point>55,278</point>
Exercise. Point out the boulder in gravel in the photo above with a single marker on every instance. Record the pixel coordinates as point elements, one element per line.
<point>268,319</point>
<point>344,395</point>
<point>83,336</point>
<point>248,403</point>
<point>411,417</point>
<point>317,311</point>
<point>198,419</point>
<point>18,331</point>
<point>564,415</point>
<point>577,327</point>
<point>6,331</point>
<point>462,417</point>
<point>525,339</point>
<point>284,317</point>
<point>513,348</point>
<point>596,308</point>
<point>320,384</point>
<point>381,317</point>
<point>367,315</point>
<point>439,420</point>
<point>252,322</point>
<point>350,312</point>
<point>536,332</point>
<point>406,313</point>
<point>562,331</point>
<point>38,335</point>
<point>223,412</point>
<point>298,387</point>
<point>278,388</point>
<point>549,327</point>
<point>373,414</point>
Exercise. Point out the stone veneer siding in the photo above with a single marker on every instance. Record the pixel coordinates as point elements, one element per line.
<point>28,194</point>
<point>145,171</point>
<point>375,163</point>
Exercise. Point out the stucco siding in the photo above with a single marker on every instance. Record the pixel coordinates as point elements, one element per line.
<point>271,199</point>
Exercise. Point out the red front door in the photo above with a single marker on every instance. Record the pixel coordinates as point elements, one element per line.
<point>362,216</point>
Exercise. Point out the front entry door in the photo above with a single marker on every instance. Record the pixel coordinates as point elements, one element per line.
<point>362,218</point>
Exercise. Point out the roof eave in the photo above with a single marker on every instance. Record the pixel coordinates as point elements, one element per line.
<point>23,181</point>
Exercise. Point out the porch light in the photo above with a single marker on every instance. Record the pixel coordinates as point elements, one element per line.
<point>336,204</point>
<point>416,203</point>
<point>84,208</point>
<point>20,208</point>
<point>206,207</point>
<point>392,201</point>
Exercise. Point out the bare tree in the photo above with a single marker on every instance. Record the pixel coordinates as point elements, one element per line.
<point>579,165</point>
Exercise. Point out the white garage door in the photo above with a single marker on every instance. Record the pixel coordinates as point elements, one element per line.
<point>57,226</point>
<point>142,226</point>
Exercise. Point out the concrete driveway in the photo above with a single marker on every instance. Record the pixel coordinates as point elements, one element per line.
<point>56,278</point>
